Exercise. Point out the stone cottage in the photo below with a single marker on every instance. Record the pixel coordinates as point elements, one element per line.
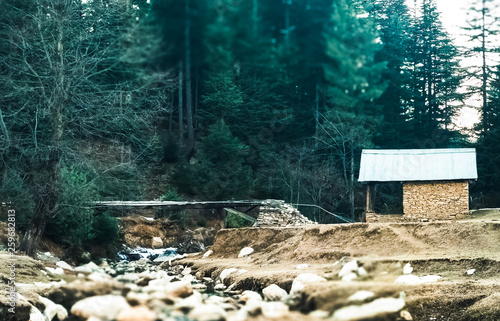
<point>435,181</point>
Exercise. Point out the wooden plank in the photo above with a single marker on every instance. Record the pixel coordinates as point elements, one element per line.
<point>177,205</point>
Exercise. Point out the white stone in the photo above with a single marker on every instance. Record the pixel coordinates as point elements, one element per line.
<point>36,315</point>
<point>415,280</point>
<point>52,310</point>
<point>190,302</point>
<point>349,277</point>
<point>407,269</point>
<point>241,271</point>
<point>471,271</point>
<point>208,312</point>
<point>349,267</point>
<point>64,265</point>
<point>214,299</point>
<point>274,310</point>
<point>219,287</point>
<point>369,310</point>
<point>250,295</point>
<point>362,272</point>
<point>307,278</point>
<point>157,242</point>
<point>186,271</point>
<point>207,254</point>
<point>245,251</point>
<point>297,287</point>
<point>58,271</point>
<point>302,266</point>
<point>102,306</point>
<point>274,293</point>
<point>319,314</point>
<point>99,277</point>
<point>361,296</point>
<point>225,273</point>
<point>89,267</point>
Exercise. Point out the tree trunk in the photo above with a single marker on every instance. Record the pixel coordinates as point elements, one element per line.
<point>189,92</point>
<point>181,107</point>
<point>351,183</point>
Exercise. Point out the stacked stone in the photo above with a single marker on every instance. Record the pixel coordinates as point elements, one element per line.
<point>439,200</point>
<point>278,213</point>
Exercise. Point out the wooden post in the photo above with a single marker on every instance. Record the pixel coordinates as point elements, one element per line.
<point>369,198</point>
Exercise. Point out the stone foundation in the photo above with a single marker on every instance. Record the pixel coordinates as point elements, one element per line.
<point>437,200</point>
<point>278,213</point>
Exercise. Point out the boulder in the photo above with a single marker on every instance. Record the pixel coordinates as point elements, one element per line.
<point>89,268</point>
<point>156,243</point>
<point>246,251</point>
<point>64,265</point>
<point>361,296</point>
<point>208,312</point>
<point>103,306</point>
<point>137,313</point>
<point>349,267</point>
<point>52,310</point>
<point>274,293</point>
<point>225,273</point>
<point>274,310</point>
<point>376,309</point>
<point>307,278</point>
<point>250,295</point>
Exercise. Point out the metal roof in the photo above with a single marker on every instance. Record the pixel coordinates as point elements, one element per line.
<point>400,165</point>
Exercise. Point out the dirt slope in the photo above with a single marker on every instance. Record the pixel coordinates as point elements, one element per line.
<point>448,249</point>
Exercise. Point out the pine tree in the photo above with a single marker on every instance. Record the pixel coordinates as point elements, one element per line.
<point>483,26</point>
<point>394,21</point>
<point>435,76</point>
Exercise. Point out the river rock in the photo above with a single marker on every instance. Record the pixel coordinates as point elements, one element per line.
<point>189,303</point>
<point>99,277</point>
<point>297,288</point>
<point>68,295</point>
<point>208,312</point>
<point>349,267</point>
<point>415,280</point>
<point>103,306</point>
<point>374,309</point>
<point>349,277</point>
<point>52,310</point>
<point>225,273</point>
<point>245,252</point>
<point>137,298</point>
<point>36,315</point>
<point>307,278</point>
<point>207,254</point>
<point>274,293</point>
<point>361,296</point>
<point>274,310</point>
<point>64,265</point>
<point>89,267</point>
<point>56,271</point>
<point>156,243</point>
<point>250,295</point>
<point>179,289</point>
<point>137,313</point>
<point>407,269</point>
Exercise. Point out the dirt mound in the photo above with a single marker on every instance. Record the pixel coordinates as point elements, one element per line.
<point>392,241</point>
<point>139,231</point>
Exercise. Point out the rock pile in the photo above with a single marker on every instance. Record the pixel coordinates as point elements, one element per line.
<point>278,213</point>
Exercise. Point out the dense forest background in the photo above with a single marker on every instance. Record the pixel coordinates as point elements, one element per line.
<point>230,99</point>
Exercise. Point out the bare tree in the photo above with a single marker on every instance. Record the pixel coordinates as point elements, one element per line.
<point>69,75</point>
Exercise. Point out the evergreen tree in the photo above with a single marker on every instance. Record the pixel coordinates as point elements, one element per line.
<point>483,26</point>
<point>435,77</point>
<point>394,21</point>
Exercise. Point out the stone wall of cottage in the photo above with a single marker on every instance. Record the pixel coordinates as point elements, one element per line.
<point>436,200</point>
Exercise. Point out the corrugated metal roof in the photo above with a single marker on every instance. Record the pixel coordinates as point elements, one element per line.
<point>400,165</point>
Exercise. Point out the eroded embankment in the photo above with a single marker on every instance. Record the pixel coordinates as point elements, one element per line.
<point>327,242</point>
<point>448,249</point>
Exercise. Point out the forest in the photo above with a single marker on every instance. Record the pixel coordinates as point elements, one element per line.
<point>230,99</point>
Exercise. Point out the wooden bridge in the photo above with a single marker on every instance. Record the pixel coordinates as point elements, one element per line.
<point>175,205</point>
